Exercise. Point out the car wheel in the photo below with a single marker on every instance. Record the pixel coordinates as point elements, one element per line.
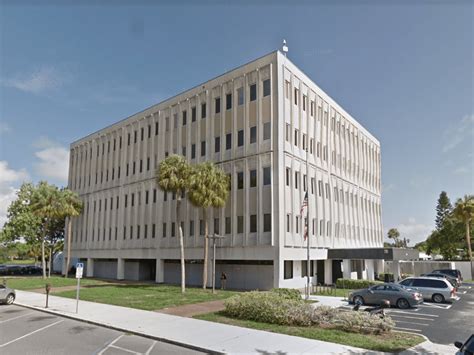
<point>437,298</point>
<point>10,298</point>
<point>403,303</point>
<point>358,299</point>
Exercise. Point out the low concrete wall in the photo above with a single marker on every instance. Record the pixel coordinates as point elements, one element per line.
<point>425,266</point>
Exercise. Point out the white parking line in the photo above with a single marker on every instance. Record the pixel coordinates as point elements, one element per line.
<point>111,343</point>
<point>123,349</point>
<point>23,315</point>
<point>417,314</point>
<point>33,332</point>
<point>432,305</point>
<point>151,347</point>
<point>408,329</point>
<point>425,319</point>
<point>410,322</point>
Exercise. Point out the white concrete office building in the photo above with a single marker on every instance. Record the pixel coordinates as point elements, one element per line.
<point>278,135</point>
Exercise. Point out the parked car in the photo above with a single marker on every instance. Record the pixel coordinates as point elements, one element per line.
<point>467,348</point>
<point>433,289</point>
<point>396,295</point>
<point>456,273</point>
<point>452,280</point>
<point>7,295</point>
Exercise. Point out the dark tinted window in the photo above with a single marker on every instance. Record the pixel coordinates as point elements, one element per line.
<point>266,87</point>
<point>253,92</point>
<point>429,283</point>
<point>407,282</point>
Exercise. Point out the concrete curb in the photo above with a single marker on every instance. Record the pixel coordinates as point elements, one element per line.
<point>77,318</point>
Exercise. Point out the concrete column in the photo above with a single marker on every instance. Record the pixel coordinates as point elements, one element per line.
<point>379,266</point>
<point>369,264</point>
<point>90,267</point>
<point>328,272</point>
<point>120,269</point>
<point>346,273</point>
<point>160,268</point>
<point>396,270</point>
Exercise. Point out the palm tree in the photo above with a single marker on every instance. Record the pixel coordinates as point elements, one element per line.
<point>209,187</point>
<point>464,212</point>
<point>173,176</point>
<point>71,207</point>
<point>45,203</point>
<point>394,234</point>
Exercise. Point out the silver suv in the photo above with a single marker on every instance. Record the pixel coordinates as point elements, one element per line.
<point>432,289</point>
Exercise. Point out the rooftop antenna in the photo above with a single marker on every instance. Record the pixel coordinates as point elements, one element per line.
<point>285,47</point>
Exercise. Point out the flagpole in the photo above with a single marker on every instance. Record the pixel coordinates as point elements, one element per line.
<point>308,181</point>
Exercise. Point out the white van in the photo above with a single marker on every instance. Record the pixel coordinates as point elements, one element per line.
<point>432,289</point>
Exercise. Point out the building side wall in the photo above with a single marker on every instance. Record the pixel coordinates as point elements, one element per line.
<point>114,169</point>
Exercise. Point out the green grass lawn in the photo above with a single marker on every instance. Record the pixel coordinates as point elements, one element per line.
<point>391,342</point>
<point>339,292</point>
<point>147,297</point>
<point>32,282</point>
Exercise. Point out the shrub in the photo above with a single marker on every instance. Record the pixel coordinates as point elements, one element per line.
<point>363,322</point>
<point>287,293</point>
<point>324,315</point>
<point>269,307</point>
<point>355,284</point>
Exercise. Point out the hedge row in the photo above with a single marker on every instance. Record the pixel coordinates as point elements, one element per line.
<point>271,307</point>
<point>355,284</point>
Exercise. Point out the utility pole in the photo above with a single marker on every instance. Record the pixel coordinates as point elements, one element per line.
<point>214,237</point>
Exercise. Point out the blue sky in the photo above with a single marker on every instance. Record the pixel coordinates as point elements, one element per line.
<point>404,71</point>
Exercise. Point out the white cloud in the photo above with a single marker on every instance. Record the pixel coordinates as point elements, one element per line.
<point>462,131</point>
<point>53,160</point>
<point>43,79</point>
<point>416,232</point>
<point>9,179</point>
<point>461,170</point>
<point>4,128</point>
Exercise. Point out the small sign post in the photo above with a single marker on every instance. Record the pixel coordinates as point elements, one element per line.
<point>79,270</point>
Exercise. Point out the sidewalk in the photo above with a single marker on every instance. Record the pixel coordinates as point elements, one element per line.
<point>194,333</point>
<point>330,301</point>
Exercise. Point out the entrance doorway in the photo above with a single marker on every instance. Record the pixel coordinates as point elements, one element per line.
<point>320,272</point>
<point>336,270</point>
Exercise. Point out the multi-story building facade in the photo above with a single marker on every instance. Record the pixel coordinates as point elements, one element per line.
<point>278,136</point>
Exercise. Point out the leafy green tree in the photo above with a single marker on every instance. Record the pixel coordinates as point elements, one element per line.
<point>464,212</point>
<point>394,234</point>
<point>45,203</point>
<point>209,188</point>
<point>21,221</point>
<point>173,176</point>
<point>71,206</point>
<point>443,210</point>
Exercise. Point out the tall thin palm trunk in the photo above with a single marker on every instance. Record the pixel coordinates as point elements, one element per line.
<point>181,242</point>
<point>68,258</point>
<point>50,261</point>
<point>206,250</point>
<point>469,249</point>
<point>43,261</point>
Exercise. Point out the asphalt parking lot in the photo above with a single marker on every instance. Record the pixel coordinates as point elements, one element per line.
<point>442,323</point>
<point>26,331</point>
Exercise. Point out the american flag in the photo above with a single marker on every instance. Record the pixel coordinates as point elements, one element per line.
<point>305,204</point>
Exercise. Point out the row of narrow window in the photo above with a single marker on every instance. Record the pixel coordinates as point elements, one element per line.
<point>240,94</point>
<point>130,232</point>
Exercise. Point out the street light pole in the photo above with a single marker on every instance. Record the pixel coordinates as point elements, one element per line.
<point>214,237</point>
